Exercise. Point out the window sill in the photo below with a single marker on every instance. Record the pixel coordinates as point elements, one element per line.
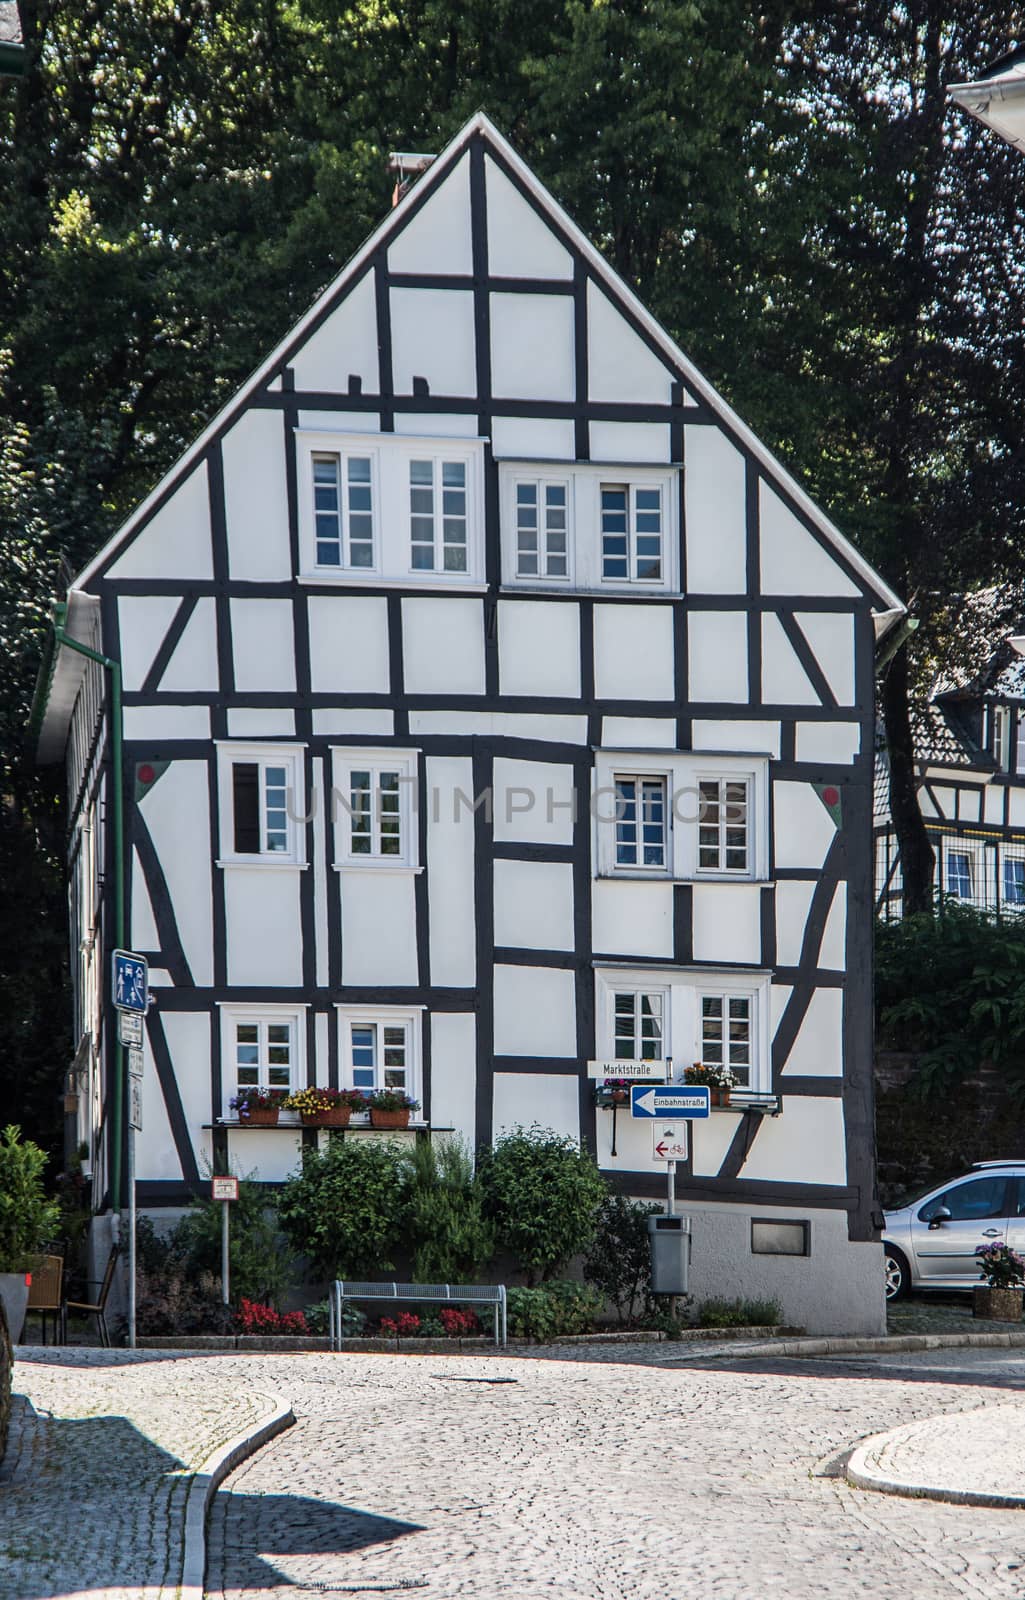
<point>373,580</point>
<point>640,876</point>
<point>268,865</point>
<point>765,1105</point>
<point>398,869</point>
<point>563,586</point>
<point>232,1125</point>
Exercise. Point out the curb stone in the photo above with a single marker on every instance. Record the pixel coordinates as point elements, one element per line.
<point>866,1346</point>
<point>199,1488</point>
<point>859,1472</point>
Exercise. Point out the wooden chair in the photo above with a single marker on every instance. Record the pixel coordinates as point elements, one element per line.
<point>98,1307</point>
<point>46,1297</point>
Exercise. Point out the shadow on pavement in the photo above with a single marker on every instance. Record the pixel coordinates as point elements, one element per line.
<point>249,1532</point>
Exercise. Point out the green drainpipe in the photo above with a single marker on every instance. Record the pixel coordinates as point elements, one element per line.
<point>118,809</point>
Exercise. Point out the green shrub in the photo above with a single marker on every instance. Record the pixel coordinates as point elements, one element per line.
<point>552,1311</point>
<point>542,1192</point>
<point>345,1209</point>
<point>260,1268</point>
<point>451,1238</point>
<point>619,1260</point>
<point>717,1313</point>
<point>27,1218</point>
<point>318,1319</point>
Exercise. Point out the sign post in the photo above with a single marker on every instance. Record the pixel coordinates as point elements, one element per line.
<point>225,1189</point>
<point>130,984</point>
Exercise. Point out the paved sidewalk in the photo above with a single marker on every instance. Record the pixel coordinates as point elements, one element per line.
<point>976,1458</point>
<point>102,1450</point>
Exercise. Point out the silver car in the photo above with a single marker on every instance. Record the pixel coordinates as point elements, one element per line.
<point>930,1243</point>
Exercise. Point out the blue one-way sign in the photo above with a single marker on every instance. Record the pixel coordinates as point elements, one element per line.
<point>130,977</point>
<point>692,1101</point>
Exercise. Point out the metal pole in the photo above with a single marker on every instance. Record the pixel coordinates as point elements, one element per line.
<point>224,1252</point>
<point>670,1187</point>
<point>131,1235</point>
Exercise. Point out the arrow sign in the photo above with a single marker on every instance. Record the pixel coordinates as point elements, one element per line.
<point>670,1103</point>
<point>669,1143</point>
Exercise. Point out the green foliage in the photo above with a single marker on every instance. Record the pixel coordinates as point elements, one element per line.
<point>716,1313</point>
<point>451,1238</point>
<point>260,1269</point>
<point>344,1209</point>
<point>27,1218</point>
<point>952,988</point>
<point>619,1260</point>
<point>552,1311</point>
<point>543,1192</point>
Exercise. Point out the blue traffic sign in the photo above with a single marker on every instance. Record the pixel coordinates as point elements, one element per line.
<point>130,977</point>
<point>690,1102</point>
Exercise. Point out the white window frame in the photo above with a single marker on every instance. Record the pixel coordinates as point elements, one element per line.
<point>1002,737</point>
<point>437,542</point>
<point>683,771</point>
<point>289,756</point>
<point>663,993</point>
<point>1008,855</point>
<point>232,1014</point>
<point>390,456</point>
<point>346,759</point>
<point>583,518</point>
<point>683,988</point>
<point>342,460</point>
<point>712,991</point>
<point>640,821</point>
<point>955,846</point>
<point>408,1017</point>
<point>542,483</point>
<point>631,489</point>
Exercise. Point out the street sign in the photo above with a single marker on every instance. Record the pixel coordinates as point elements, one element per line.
<point>649,1071</point>
<point>130,976</point>
<point>670,1103</point>
<point>669,1143</point>
<point>135,1104</point>
<point>224,1188</point>
<point>136,1060</point>
<point>129,1027</point>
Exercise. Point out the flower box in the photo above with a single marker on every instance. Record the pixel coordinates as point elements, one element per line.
<point>260,1116</point>
<point>389,1119</point>
<point>997,1305</point>
<point>335,1117</point>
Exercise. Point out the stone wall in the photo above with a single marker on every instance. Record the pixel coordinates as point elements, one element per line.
<point>926,1136</point>
<point>6,1365</point>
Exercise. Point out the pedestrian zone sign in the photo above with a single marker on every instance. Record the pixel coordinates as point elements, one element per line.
<point>130,981</point>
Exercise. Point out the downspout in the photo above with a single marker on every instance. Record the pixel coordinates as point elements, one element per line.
<point>118,816</point>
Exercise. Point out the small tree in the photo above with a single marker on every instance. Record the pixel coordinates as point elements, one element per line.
<point>452,1238</point>
<point>619,1260</point>
<point>543,1192</point>
<point>344,1209</point>
<point>27,1217</point>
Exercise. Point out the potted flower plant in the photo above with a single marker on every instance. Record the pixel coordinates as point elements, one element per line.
<point>27,1220</point>
<point>612,1092</point>
<point>260,1107</point>
<point>326,1108</point>
<point>999,1296</point>
<point>390,1108</point>
<point>720,1081</point>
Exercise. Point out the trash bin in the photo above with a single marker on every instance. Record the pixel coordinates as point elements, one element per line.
<point>669,1238</point>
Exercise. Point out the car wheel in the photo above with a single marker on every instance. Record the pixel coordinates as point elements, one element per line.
<point>898,1279</point>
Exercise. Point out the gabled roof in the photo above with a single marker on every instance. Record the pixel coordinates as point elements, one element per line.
<point>888,607</point>
<point>997,98</point>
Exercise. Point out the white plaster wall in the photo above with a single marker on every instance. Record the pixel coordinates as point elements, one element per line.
<point>256,498</point>
<point>263,644</point>
<point>792,561</point>
<point>534,905</point>
<point>804,830</point>
<point>501,724</point>
<point>633,652</point>
<point>321,1030</point>
<point>717,656</point>
<point>535,1012</point>
<point>143,620</point>
<point>803,1145</point>
<point>432,338</point>
<point>260,722</point>
<point>793,902</point>
<point>762,738</point>
<point>638,733</point>
<point>155,1152</point>
<point>994,804</point>
<point>454,1072</point>
<point>727,923</point>
<point>715,502</point>
<point>378,928</point>
<point>712,1139</point>
<point>620,367</point>
<point>275,1156</point>
<point>264,936</point>
<point>175,543</point>
<point>539,648</point>
<point>633,1142</point>
<point>345,342</point>
<point>784,680</point>
<point>353,723</point>
<point>142,926</point>
<point>630,441</point>
<point>968,805</point>
<point>437,239</point>
<point>437,425</point>
<point>450,865</point>
<point>177,812</point>
<point>838,742</point>
<point>520,243</point>
<point>193,666</point>
<point>548,1099</point>
<point>532,801</point>
<point>154,723</point>
<point>443,645</point>
<point>348,644</point>
<point>631,919</point>
<point>531,439</point>
<point>818,1049</point>
<point>341,421</point>
<point>833,951</point>
<point>532,346</point>
<point>831,636</point>
<point>188,1042</point>
<point>779,999</point>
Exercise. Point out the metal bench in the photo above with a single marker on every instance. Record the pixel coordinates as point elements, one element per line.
<point>470,1294</point>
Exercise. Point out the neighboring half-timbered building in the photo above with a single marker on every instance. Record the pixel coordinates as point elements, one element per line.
<point>494,703</point>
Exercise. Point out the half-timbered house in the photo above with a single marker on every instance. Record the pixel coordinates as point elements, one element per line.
<point>494,703</point>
